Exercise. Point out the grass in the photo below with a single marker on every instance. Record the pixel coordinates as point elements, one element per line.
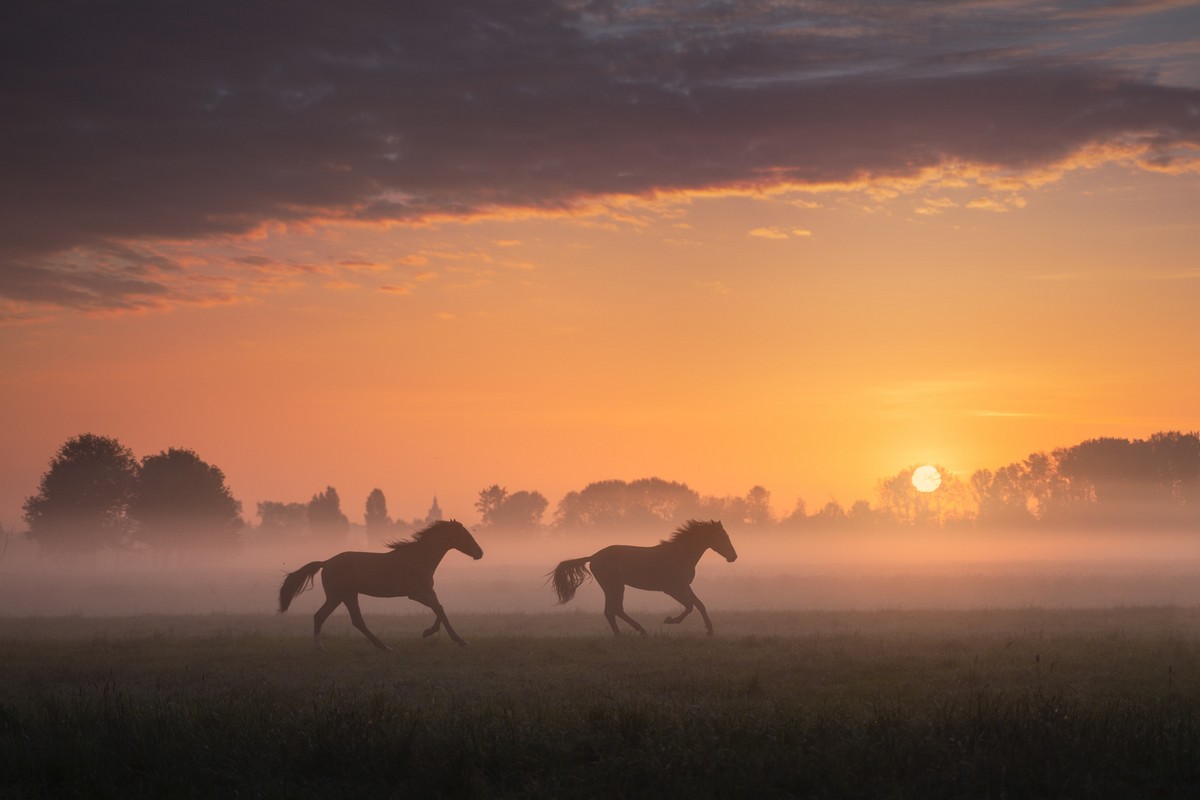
<point>1003,703</point>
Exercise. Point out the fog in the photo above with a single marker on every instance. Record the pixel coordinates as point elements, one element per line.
<point>809,571</point>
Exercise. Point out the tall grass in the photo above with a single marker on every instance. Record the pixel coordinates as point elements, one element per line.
<point>919,704</point>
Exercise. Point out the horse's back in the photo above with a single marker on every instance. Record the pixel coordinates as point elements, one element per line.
<point>649,568</point>
<point>374,574</point>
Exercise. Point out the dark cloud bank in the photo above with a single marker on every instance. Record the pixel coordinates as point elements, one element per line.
<point>149,120</point>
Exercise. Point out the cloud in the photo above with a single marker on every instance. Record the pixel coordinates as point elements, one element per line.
<point>153,122</point>
<point>779,233</point>
<point>768,233</point>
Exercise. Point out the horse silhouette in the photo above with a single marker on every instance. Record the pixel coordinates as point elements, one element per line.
<point>406,571</point>
<point>666,567</point>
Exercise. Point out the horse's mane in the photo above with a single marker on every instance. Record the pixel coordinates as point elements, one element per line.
<point>689,530</point>
<point>421,534</point>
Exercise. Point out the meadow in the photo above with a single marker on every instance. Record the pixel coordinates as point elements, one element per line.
<point>1031,702</point>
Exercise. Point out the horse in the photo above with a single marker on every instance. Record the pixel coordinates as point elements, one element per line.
<point>405,571</point>
<point>666,567</point>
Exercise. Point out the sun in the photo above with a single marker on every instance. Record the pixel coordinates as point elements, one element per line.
<point>926,479</point>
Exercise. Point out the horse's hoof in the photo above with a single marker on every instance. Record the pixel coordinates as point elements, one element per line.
<point>427,633</point>
<point>670,621</point>
<point>460,642</point>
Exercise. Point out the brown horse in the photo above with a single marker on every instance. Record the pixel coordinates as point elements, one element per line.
<point>407,571</point>
<point>667,567</point>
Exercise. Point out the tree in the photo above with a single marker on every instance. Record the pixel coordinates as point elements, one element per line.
<point>282,519</point>
<point>325,517</point>
<point>1176,458</point>
<point>490,500</point>
<point>798,518</point>
<point>829,516</point>
<point>645,503</point>
<point>182,502</point>
<point>82,501</point>
<point>376,517</point>
<point>1113,481</point>
<point>901,502</point>
<point>758,507</point>
<point>520,511</point>
<point>1003,498</point>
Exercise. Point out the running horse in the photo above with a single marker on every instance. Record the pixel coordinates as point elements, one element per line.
<point>666,567</point>
<point>406,571</point>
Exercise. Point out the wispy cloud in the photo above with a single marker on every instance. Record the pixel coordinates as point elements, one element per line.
<point>780,233</point>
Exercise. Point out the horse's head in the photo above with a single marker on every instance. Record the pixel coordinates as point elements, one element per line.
<point>462,540</point>
<point>719,541</point>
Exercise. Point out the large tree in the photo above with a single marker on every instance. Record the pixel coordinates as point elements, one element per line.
<point>325,517</point>
<point>901,502</point>
<point>647,503</point>
<point>520,511</point>
<point>489,502</point>
<point>379,524</point>
<point>281,521</point>
<point>181,502</point>
<point>82,501</point>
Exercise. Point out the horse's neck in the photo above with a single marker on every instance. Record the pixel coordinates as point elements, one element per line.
<point>690,550</point>
<point>429,551</point>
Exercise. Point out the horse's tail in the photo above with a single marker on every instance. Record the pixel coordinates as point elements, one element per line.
<point>296,582</point>
<point>568,576</point>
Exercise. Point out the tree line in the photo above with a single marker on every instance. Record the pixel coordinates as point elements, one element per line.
<point>96,495</point>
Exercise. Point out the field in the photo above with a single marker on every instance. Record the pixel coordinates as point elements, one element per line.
<point>895,703</point>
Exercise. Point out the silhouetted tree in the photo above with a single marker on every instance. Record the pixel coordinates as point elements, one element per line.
<point>517,512</point>
<point>754,509</point>
<point>325,517</point>
<point>182,502</point>
<point>862,515</point>
<point>1002,498</point>
<point>1139,481</point>
<point>900,502</point>
<point>644,503</point>
<point>490,499</point>
<point>82,501</point>
<point>798,518</point>
<point>758,507</point>
<point>279,517</point>
<point>1176,459</point>
<point>830,516</point>
<point>376,517</point>
<point>657,501</point>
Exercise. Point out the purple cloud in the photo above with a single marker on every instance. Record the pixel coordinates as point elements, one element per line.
<point>152,120</point>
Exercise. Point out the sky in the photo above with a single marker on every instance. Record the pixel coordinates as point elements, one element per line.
<point>434,246</point>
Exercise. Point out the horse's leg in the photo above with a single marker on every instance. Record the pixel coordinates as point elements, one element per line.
<point>687,598</point>
<point>322,614</point>
<point>432,629</point>
<point>614,606</point>
<point>429,598</point>
<point>690,600</point>
<point>612,602</point>
<point>356,617</point>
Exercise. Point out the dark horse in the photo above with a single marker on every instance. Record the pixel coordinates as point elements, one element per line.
<point>667,567</point>
<point>407,571</point>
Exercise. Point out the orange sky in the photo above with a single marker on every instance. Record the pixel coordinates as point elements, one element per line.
<point>547,353</point>
<point>810,334</point>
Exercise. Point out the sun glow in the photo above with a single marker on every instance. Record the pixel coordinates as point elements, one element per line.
<point>926,479</point>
